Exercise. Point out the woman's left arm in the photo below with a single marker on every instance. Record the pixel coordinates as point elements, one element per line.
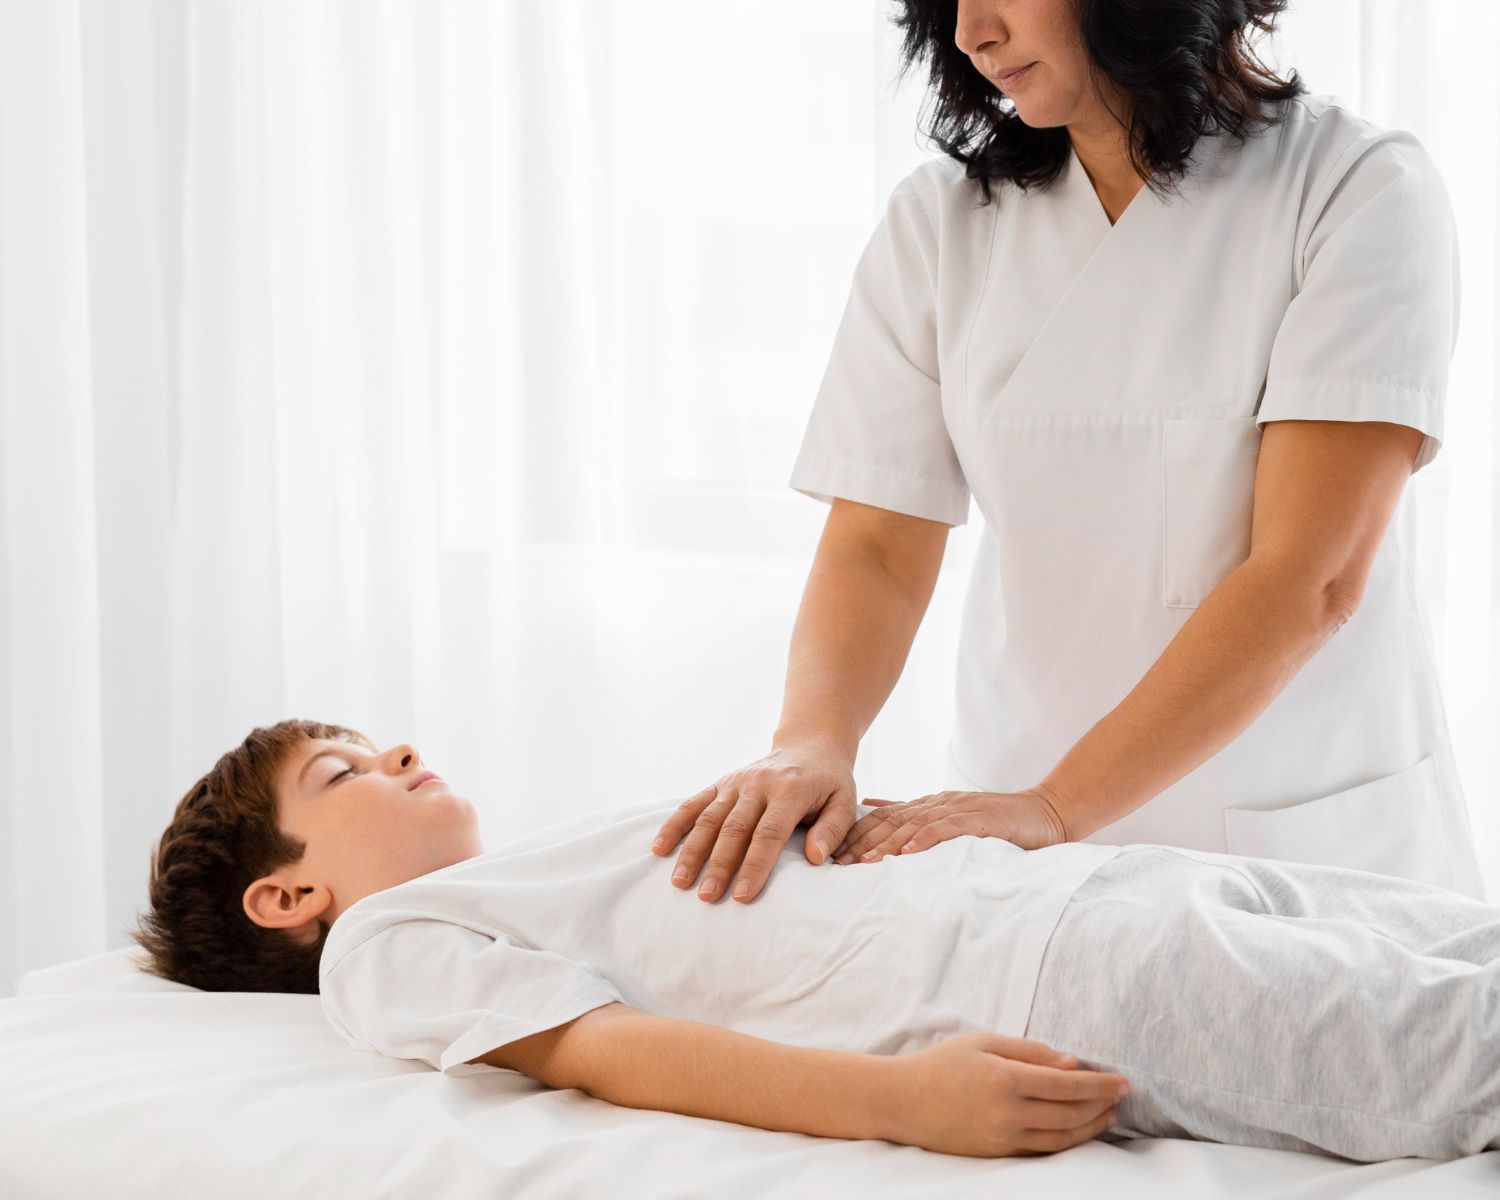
<point>1325,492</point>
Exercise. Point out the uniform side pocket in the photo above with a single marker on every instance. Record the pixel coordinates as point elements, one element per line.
<point>1391,826</point>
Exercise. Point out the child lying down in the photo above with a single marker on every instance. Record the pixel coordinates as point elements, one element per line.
<point>926,999</point>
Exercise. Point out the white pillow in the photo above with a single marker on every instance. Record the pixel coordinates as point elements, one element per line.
<point>120,970</point>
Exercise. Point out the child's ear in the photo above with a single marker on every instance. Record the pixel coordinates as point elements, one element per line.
<point>274,904</point>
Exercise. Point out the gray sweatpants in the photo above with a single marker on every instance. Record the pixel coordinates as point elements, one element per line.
<point>1280,1004</point>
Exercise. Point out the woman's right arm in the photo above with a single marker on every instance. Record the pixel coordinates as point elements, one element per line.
<point>870,583</point>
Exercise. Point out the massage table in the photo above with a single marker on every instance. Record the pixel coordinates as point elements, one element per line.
<point>114,1083</point>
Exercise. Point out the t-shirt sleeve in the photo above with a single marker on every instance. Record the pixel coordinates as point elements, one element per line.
<point>444,993</point>
<point>876,434</point>
<point>1372,325</point>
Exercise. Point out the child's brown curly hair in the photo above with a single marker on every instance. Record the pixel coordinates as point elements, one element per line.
<point>222,838</point>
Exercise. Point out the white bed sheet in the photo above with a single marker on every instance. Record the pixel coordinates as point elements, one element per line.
<point>116,1083</point>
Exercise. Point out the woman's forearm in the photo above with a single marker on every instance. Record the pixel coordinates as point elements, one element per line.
<point>853,633</point>
<point>643,1060</point>
<point>1232,657</point>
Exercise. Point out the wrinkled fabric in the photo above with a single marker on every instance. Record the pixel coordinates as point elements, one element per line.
<point>1286,1005</point>
<point>880,958</point>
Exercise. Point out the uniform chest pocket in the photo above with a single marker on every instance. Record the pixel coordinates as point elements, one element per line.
<point>1207,495</point>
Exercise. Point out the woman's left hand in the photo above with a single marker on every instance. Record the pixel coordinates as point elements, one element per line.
<point>1026,818</point>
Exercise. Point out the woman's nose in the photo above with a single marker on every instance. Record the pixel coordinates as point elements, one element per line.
<point>972,32</point>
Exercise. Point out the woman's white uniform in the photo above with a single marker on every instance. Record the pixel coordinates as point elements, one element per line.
<point>1099,390</point>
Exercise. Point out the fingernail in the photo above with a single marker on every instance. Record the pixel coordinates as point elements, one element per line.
<point>659,843</point>
<point>821,845</point>
<point>867,855</point>
<point>1123,1090</point>
<point>680,874</point>
<point>907,847</point>
<point>742,890</point>
<point>710,888</point>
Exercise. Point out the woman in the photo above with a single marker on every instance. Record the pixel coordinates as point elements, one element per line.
<point>1185,358</point>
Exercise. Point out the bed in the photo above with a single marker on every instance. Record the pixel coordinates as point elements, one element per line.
<point>116,1083</point>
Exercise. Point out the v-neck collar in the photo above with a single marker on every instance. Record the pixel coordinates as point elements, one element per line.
<point>1085,200</point>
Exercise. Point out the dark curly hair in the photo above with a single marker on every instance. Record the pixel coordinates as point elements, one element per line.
<point>1185,66</point>
<point>222,838</point>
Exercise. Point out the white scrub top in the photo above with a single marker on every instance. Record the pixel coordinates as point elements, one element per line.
<point>1099,391</point>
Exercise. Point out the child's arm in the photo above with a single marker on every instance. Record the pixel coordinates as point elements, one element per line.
<point>641,1060</point>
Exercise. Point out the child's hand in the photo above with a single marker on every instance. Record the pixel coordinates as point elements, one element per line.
<point>990,1096</point>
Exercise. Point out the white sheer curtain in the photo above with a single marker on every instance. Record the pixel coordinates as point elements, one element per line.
<point>436,369</point>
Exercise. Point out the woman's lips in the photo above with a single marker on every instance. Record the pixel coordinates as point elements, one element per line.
<point>423,777</point>
<point>1014,76</point>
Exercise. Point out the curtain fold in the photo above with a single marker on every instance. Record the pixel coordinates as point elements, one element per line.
<point>55,826</point>
<point>437,368</point>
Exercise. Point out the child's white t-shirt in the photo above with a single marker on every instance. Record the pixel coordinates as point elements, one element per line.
<point>882,958</point>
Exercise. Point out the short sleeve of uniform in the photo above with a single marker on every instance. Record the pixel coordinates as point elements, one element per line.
<point>876,434</point>
<point>444,993</point>
<point>1371,329</point>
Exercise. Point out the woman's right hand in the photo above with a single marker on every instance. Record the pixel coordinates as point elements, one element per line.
<point>750,814</point>
<point>990,1096</point>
